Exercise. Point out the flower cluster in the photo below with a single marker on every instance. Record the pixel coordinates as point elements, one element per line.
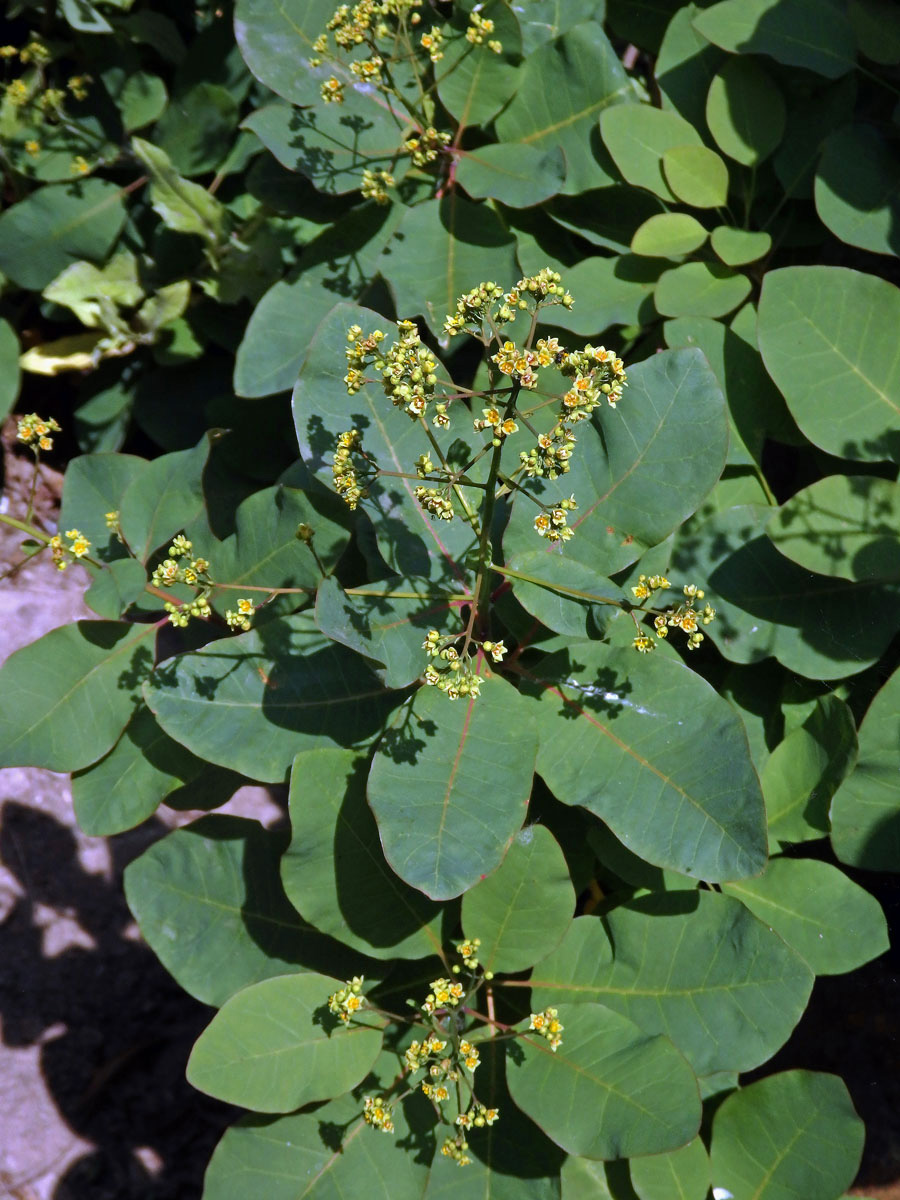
<point>547,1025</point>
<point>78,547</point>
<point>597,373</point>
<point>451,671</point>
<point>194,571</point>
<point>479,28</point>
<point>423,147</point>
<point>478,306</point>
<point>551,455</point>
<point>332,90</point>
<point>180,614</point>
<point>34,431</point>
<point>684,616</point>
<point>468,952</point>
<point>407,369</point>
<point>478,1115</point>
<point>375,185</point>
<point>240,618</point>
<point>348,1000</point>
<point>553,525</point>
<point>378,1114</point>
<point>436,503</point>
<point>444,994</point>
<point>346,481</point>
<point>456,1148</point>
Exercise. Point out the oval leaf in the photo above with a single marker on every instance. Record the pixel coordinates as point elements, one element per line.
<point>745,111</point>
<point>274,1046</point>
<point>450,783</point>
<point>696,175</point>
<point>668,235</point>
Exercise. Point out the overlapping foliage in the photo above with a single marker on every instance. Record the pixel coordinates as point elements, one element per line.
<point>650,845</point>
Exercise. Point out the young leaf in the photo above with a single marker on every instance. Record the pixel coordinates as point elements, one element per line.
<point>668,235</point>
<point>272,1047</point>
<point>65,699</point>
<point>334,871</point>
<point>650,748</point>
<point>697,176</point>
<point>792,1134</point>
<point>637,136</point>
<point>183,206</point>
<point>609,1091</point>
<point>738,246</point>
<point>450,784</point>
<point>522,910</point>
<point>700,289</point>
<point>693,965</point>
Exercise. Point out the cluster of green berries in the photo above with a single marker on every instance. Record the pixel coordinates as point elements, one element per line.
<point>547,1025</point>
<point>34,431</point>
<point>436,502</point>
<point>478,30</point>
<point>378,1113</point>
<point>684,616</point>
<point>425,145</point>
<point>77,548</point>
<point>181,567</point>
<point>452,672</point>
<point>347,1001</point>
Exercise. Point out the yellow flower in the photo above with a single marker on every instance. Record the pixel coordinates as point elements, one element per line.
<point>32,147</point>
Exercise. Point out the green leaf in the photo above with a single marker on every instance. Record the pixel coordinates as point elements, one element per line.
<point>276,43</point>
<point>647,472</point>
<point>700,289</point>
<point>857,189</point>
<point>793,1134</point>
<point>517,175</point>
<point>605,216</point>
<point>649,747</point>
<point>337,265</point>
<point>474,83</point>
<point>694,965</point>
<point>865,812</point>
<point>680,1175</point>
<point>876,24</point>
<point>826,338</point>
<point>810,121</point>
<point>272,1046</point>
<point>328,1154</point>
<point>478,759</point>
<point>456,243</point>
<point>745,111</point>
<point>588,1179</point>
<point>824,916</point>
<point>843,525</point>
<point>609,1091</point>
<point>561,593</point>
<point>130,783</point>
<point>543,20</point>
<point>181,205</point>
<point>696,175</point>
<point>290,688</point>
<point>9,368</point>
<point>685,67</point>
<point>815,34</point>
<point>804,771</point>
<point>522,910</point>
<point>767,605</point>
<point>164,498</point>
<point>330,143</point>
<point>738,246</point>
<point>94,485</point>
<point>386,628</point>
<point>564,86</point>
<point>56,226</point>
<point>197,128</point>
<point>637,136</point>
<point>65,699</point>
<point>334,871</point>
<point>265,551</point>
<point>411,542</point>
<point>755,405</point>
<point>116,588</point>
<point>609,291</point>
<point>668,235</point>
<point>94,293</point>
<point>140,96</point>
<point>209,902</point>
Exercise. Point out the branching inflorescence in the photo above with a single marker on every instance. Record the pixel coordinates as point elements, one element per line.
<point>580,379</point>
